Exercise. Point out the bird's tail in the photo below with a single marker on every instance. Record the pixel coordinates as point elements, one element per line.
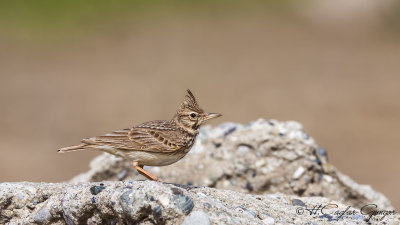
<point>72,148</point>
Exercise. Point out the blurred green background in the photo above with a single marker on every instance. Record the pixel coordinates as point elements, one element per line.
<point>75,69</point>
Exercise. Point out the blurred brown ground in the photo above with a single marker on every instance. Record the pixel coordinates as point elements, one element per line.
<point>341,83</point>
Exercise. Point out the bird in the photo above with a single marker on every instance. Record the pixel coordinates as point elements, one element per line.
<point>153,143</point>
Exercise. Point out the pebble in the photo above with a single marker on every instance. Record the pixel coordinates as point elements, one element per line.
<point>350,223</point>
<point>121,175</point>
<point>184,203</point>
<point>228,128</point>
<point>260,163</point>
<point>298,202</point>
<point>207,205</point>
<point>327,216</point>
<point>157,212</point>
<point>269,220</point>
<point>42,216</point>
<point>327,178</point>
<point>243,149</point>
<point>20,196</point>
<point>251,213</point>
<point>164,200</point>
<point>321,151</point>
<point>358,217</point>
<point>126,201</point>
<point>34,202</point>
<point>197,218</point>
<point>226,183</point>
<point>297,174</point>
<point>249,186</point>
<point>97,189</point>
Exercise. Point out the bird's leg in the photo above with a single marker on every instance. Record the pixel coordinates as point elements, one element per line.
<point>144,172</point>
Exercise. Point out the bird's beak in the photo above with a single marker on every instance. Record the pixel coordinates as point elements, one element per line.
<point>211,116</point>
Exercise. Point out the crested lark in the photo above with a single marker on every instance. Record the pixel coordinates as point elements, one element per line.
<point>154,143</point>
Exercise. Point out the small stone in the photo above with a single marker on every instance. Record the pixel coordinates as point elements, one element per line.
<point>357,217</point>
<point>297,174</point>
<point>327,178</point>
<point>97,189</point>
<point>126,201</point>
<point>298,202</point>
<point>176,191</point>
<point>151,198</point>
<point>260,163</point>
<point>157,212</point>
<point>317,161</point>
<point>42,216</point>
<point>251,213</point>
<point>20,196</point>
<point>269,220</point>
<point>321,151</point>
<point>249,186</point>
<point>327,216</point>
<point>164,200</point>
<point>226,183</point>
<point>207,205</point>
<point>197,218</point>
<point>350,223</point>
<point>34,202</point>
<point>121,175</point>
<point>7,203</point>
<point>243,149</point>
<point>184,203</point>
<point>229,131</point>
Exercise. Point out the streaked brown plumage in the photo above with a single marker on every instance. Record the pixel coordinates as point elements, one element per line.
<point>154,143</point>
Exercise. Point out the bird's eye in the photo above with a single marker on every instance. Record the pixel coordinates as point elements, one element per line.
<point>193,115</point>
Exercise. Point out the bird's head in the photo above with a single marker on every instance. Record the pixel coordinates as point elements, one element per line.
<point>190,116</point>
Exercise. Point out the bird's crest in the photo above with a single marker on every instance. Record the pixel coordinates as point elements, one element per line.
<point>190,102</point>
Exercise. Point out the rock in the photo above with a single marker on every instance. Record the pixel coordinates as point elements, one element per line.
<point>265,172</point>
<point>269,220</point>
<point>197,218</point>
<point>297,174</point>
<point>43,216</point>
<point>97,189</point>
<point>250,159</point>
<point>184,203</point>
<point>297,202</point>
<point>144,202</point>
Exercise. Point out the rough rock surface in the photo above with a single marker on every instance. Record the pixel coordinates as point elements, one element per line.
<point>148,202</point>
<point>262,157</point>
<point>265,172</point>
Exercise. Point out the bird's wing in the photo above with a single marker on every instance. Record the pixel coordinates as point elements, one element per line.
<point>154,136</point>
